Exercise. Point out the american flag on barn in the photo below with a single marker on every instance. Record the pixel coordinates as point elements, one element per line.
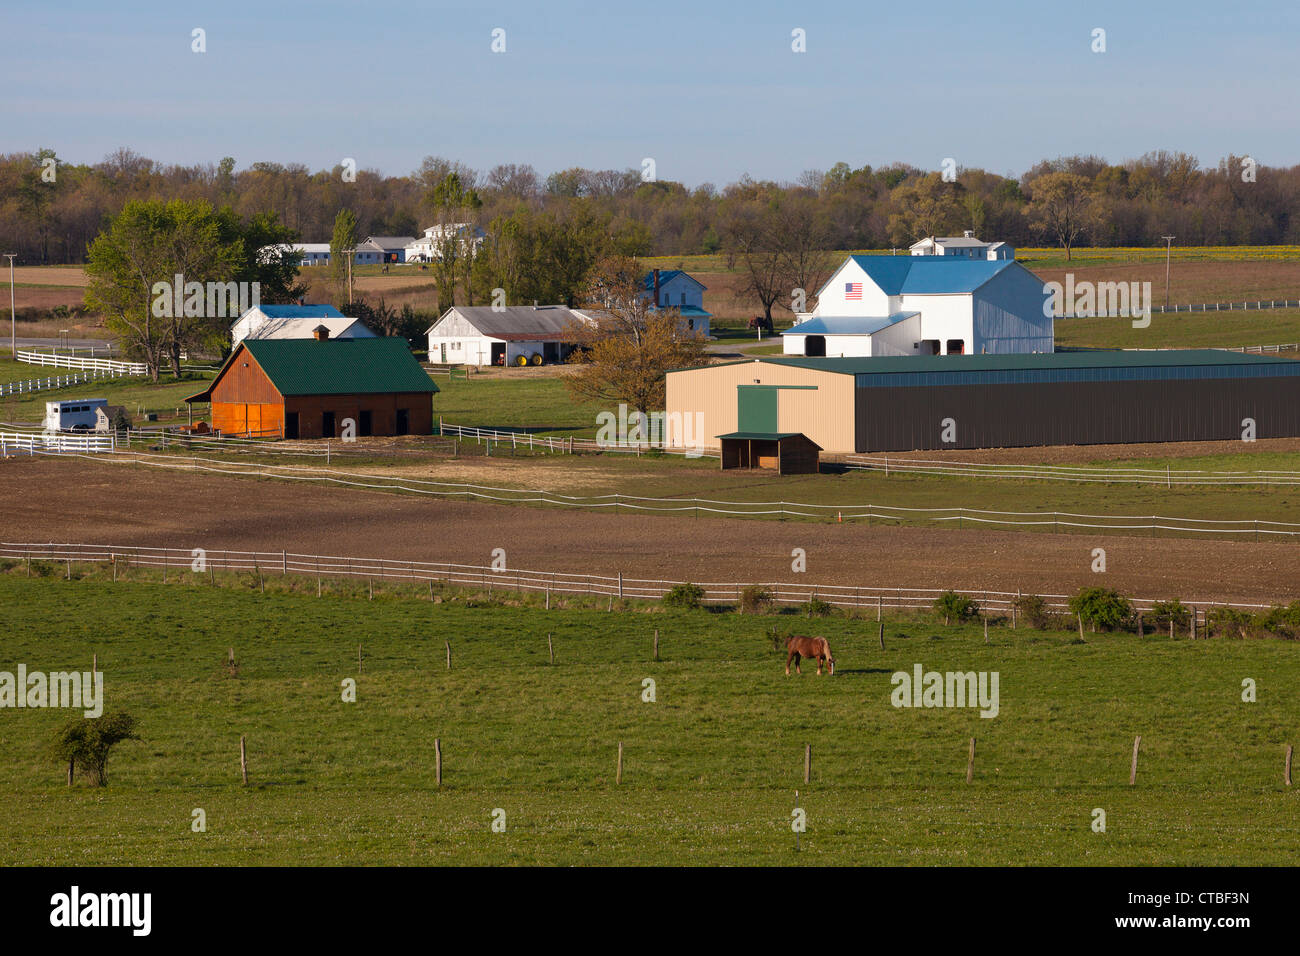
<point>853,291</point>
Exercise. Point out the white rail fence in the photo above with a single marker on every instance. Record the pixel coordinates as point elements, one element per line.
<point>201,562</point>
<point>1256,305</point>
<point>1116,475</point>
<point>52,382</point>
<point>955,516</point>
<point>56,443</point>
<point>518,440</point>
<point>33,357</point>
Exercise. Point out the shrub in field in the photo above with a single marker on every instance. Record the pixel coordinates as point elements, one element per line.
<point>684,595</point>
<point>1281,621</point>
<point>955,607</point>
<point>1164,613</point>
<point>754,600</point>
<point>1033,610</point>
<point>816,607</point>
<point>1229,622</point>
<point>1101,608</point>
<point>85,743</point>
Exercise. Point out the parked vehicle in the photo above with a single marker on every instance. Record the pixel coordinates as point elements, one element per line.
<point>77,414</point>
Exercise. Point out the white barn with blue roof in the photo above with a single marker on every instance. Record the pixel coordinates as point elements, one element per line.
<point>925,305</point>
<point>296,322</point>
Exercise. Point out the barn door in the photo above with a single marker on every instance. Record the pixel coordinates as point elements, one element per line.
<point>756,408</point>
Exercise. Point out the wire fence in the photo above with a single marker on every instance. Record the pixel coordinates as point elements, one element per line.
<point>1166,476</point>
<point>522,439</point>
<point>954,516</point>
<point>207,561</point>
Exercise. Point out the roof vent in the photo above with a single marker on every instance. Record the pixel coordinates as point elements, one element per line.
<point>320,333</point>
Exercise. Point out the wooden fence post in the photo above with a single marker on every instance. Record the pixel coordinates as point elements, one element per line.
<point>618,774</point>
<point>878,604</point>
<point>970,762</point>
<point>437,759</point>
<point>284,562</point>
<point>807,762</point>
<point>243,760</point>
<point>360,664</point>
<point>1140,628</point>
<point>550,647</point>
<point>1133,771</point>
<point>448,643</point>
<point>1287,772</point>
<point>881,634</point>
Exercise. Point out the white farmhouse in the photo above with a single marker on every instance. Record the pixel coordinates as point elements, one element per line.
<point>428,248</point>
<point>965,246</point>
<point>512,335</point>
<point>675,289</point>
<point>925,305</point>
<point>296,322</point>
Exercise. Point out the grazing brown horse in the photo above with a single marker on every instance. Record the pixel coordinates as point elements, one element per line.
<point>811,647</point>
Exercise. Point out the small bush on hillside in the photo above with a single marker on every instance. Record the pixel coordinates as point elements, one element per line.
<point>1229,622</point>
<point>816,607</point>
<point>1101,608</point>
<point>1281,621</point>
<point>684,595</point>
<point>85,743</point>
<point>754,600</point>
<point>955,607</point>
<point>1033,610</point>
<point>1163,613</point>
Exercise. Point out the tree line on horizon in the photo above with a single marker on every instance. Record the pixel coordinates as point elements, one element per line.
<point>53,218</point>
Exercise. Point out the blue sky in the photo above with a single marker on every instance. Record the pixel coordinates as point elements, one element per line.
<point>710,90</point>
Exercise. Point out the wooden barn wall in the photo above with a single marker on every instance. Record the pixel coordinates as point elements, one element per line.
<point>246,418</point>
<point>1091,413</point>
<point>382,407</point>
<point>245,382</point>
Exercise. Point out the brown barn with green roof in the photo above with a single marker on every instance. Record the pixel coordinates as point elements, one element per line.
<point>307,388</point>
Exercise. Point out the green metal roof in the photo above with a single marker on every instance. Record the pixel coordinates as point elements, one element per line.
<point>333,367</point>
<point>761,436</point>
<point>1100,358</point>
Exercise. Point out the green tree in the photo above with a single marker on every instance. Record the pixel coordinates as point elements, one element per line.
<point>1060,207</point>
<point>342,245</point>
<point>147,245</point>
<point>84,744</point>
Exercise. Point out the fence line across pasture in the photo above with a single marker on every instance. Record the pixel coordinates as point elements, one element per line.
<point>53,382</point>
<point>712,506</point>
<point>31,443</point>
<point>520,439</point>
<point>1077,473</point>
<point>33,357</point>
<point>205,561</point>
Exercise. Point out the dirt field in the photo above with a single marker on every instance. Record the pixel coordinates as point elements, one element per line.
<point>78,501</point>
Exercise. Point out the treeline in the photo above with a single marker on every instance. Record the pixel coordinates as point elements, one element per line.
<point>50,211</point>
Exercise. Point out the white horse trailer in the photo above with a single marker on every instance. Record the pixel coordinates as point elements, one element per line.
<point>76,414</point>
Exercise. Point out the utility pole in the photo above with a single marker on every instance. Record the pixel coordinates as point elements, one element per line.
<point>1168,240</point>
<point>351,255</point>
<point>13,316</point>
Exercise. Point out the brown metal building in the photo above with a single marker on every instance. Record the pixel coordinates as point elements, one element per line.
<point>306,388</point>
<point>992,401</point>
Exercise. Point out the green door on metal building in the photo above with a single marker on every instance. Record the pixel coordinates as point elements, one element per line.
<point>756,408</point>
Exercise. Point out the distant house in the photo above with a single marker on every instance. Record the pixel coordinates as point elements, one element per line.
<point>430,246</point>
<point>105,415</point>
<point>675,289</point>
<point>513,335</point>
<point>391,248</point>
<point>312,253</point>
<point>965,246</point>
<point>260,318</point>
<point>922,305</point>
<point>312,388</point>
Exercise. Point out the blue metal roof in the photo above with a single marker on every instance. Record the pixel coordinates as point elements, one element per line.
<point>666,276</point>
<point>847,325</point>
<point>301,311</point>
<point>929,275</point>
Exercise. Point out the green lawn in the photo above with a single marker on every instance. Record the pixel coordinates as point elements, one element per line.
<point>710,767</point>
<point>1185,330</point>
<point>136,393</point>
<point>515,400</point>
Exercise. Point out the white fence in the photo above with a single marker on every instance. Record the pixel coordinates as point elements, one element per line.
<point>201,561</point>
<point>17,443</point>
<point>52,382</point>
<point>955,516</point>
<point>519,440</point>
<point>33,357</point>
<point>1116,475</point>
<point>1258,304</point>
